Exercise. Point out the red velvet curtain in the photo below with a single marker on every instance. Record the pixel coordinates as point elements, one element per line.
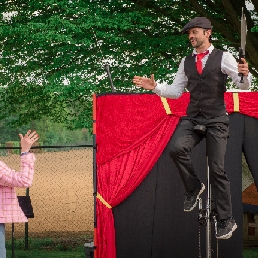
<point>120,176</point>
<point>132,131</point>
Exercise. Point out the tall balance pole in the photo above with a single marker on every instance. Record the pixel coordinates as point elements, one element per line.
<point>94,174</point>
<point>208,212</point>
<point>27,226</point>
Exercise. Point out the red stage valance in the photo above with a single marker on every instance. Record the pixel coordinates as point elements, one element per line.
<point>132,131</point>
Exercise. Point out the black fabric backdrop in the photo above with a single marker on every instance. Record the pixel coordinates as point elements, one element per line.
<point>151,222</point>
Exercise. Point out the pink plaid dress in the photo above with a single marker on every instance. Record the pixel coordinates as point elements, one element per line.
<point>10,210</point>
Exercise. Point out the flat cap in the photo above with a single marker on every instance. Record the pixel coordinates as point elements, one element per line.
<point>197,22</point>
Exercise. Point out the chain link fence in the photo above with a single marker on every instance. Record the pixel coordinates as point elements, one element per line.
<point>61,193</point>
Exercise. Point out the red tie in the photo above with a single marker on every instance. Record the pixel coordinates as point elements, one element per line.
<point>199,61</point>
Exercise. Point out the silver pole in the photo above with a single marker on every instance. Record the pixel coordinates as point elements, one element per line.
<point>208,209</point>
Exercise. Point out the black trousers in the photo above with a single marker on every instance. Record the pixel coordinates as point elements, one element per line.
<point>182,142</point>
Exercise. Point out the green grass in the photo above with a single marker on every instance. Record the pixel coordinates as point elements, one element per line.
<point>250,253</point>
<point>47,248</point>
<point>66,248</point>
<point>45,254</point>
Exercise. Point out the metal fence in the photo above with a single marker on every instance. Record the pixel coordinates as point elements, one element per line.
<point>61,194</point>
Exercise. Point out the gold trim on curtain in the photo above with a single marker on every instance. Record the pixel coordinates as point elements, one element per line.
<point>166,106</point>
<point>103,201</point>
<point>236,101</point>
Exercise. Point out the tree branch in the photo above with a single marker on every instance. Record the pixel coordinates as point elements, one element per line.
<point>255,3</point>
<point>253,72</point>
<point>233,18</point>
<point>215,22</point>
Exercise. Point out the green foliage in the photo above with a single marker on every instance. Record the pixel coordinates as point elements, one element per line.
<point>53,52</point>
<point>13,144</point>
<point>56,133</point>
<point>50,133</point>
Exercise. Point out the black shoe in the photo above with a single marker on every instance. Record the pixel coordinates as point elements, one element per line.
<point>225,228</point>
<point>192,197</point>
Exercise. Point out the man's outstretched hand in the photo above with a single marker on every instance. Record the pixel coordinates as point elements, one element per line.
<point>144,82</point>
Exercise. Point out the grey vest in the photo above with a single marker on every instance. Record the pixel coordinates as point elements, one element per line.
<point>206,89</point>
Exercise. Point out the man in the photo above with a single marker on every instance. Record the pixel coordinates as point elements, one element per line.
<point>203,73</point>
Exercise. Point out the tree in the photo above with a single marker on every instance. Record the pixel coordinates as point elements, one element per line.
<point>50,133</point>
<point>53,52</point>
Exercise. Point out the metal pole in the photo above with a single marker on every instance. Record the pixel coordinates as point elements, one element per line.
<point>208,209</point>
<point>109,77</point>
<point>12,240</point>
<point>95,190</point>
<point>94,158</point>
<point>27,226</point>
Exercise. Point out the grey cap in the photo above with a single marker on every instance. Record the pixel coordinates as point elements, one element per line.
<point>197,22</point>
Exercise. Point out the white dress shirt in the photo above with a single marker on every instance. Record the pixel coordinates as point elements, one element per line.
<point>228,66</point>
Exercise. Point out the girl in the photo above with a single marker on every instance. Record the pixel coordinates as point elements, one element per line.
<point>10,211</point>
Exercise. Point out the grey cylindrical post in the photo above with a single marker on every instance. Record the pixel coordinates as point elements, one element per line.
<point>208,211</point>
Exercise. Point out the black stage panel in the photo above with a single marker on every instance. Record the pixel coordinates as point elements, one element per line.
<point>151,222</point>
